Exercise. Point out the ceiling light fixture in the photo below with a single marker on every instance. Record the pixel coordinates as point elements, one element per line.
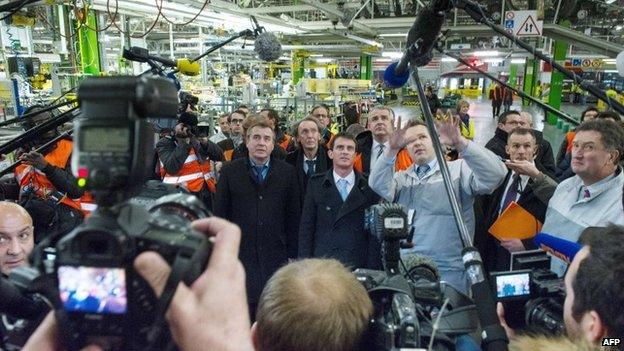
<point>392,54</point>
<point>486,53</point>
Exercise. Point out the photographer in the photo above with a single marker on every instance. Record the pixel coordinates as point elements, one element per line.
<point>593,284</point>
<point>212,313</point>
<point>47,188</point>
<point>16,244</point>
<point>185,161</point>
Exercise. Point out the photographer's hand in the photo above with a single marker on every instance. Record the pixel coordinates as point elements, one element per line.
<point>500,311</point>
<point>46,337</point>
<point>212,313</point>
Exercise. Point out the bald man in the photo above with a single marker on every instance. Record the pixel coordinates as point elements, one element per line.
<point>16,236</point>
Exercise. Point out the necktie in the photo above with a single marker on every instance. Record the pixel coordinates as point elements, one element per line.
<point>311,164</point>
<point>381,149</point>
<point>512,192</point>
<point>421,171</point>
<point>342,188</point>
<point>586,193</point>
<point>258,169</point>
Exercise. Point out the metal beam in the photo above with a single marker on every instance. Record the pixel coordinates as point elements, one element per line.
<point>575,38</point>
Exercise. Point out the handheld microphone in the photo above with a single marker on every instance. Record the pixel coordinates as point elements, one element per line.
<point>619,63</point>
<point>421,38</point>
<point>560,248</point>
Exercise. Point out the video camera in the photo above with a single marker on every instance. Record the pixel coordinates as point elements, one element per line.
<point>533,295</point>
<point>97,295</point>
<point>406,304</point>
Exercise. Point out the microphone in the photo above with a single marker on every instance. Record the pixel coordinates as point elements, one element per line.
<point>267,47</point>
<point>419,266</point>
<point>184,65</point>
<point>266,44</point>
<point>421,38</point>
<point>560,248</point>
<point>619,63</point>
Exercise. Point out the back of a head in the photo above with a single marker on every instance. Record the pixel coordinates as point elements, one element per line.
<point>545,343</point>
<point>599,281</point>
<point>313,304</point>
<point>610,114</point>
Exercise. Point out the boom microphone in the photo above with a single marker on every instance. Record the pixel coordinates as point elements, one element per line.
<point>421,38</point>
<point>267,47</point>
<point>560,248</point>
<point>184,65</point>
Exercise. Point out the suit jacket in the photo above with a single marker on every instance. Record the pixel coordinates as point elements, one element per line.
<point>335,229</point>
<point>533,198</point>
<point>295,158</point>
<point>544,159</point>
<point>267,213</point>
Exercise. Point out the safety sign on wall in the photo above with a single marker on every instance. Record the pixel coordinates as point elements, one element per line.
<point>523,23</point>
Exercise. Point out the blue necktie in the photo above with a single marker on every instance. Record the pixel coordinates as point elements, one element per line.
<point>512,192</point>
<point>342,188</point>
<point>258,169</point>
<point>422,170</point>
<point>311,169</point>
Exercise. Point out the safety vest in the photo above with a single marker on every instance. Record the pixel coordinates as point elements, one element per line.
<point>31,179</point>
<point>192,176</point>
<point>569,138</point>
<point>403,162</point>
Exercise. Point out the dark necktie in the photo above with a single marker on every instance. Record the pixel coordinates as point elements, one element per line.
<point>422,170</point>
<point>258,170</point>
<point>381,149</point>
<point>311,164</point>
<point>512,192</point>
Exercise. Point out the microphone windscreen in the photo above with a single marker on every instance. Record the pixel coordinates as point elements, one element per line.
<point>419,266</point>
<point>561,248</point>
<point>267,47</point>
<point>188,68</point>
<point>619,63</point>
<point>392,80</point>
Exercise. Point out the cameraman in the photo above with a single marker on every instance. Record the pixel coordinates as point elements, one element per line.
<point>16,244</point>
<point>594,288</point>
<point>212,313</point>
<point>47,188</point>
<point>185,161</point>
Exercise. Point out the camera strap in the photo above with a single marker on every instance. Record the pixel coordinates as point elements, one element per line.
<point>178,271</point>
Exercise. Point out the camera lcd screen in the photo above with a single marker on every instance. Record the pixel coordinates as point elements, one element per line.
<point>93,289</point>
<point>512,285</point>
<point>99,139</point>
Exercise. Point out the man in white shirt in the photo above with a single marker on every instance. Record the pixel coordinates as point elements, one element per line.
<point>525,185</point>
<point>593,197</point>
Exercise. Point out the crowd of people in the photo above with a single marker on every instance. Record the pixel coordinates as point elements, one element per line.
<point>290,207</point>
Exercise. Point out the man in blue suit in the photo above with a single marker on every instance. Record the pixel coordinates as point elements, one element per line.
<point>332,221</point>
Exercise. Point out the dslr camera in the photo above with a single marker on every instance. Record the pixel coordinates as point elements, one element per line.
<point>409,298</point>
<point>533,295</point>
<point>100,296</point>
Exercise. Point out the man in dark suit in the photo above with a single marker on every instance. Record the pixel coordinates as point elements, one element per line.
<point>261,195</point>
<point>496,95</point>
<point>511,120</point>
<point>527,186</point>
<point>310,157</point>
<point>332,221</point>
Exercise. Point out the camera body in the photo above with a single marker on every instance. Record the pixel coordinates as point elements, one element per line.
<point>405,305</point>
<point>100,295</point>
<point>533,296</point>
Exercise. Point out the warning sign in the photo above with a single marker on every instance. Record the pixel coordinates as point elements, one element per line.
<point>596,63</point>
<point>586,63</point>
<point>524,23</point>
